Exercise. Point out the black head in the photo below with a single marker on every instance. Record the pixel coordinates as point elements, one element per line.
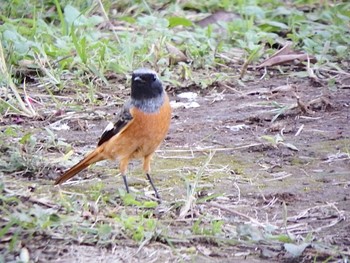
<point>145,84</point>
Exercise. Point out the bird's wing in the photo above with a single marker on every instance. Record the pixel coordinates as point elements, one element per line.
<point>124,117</point>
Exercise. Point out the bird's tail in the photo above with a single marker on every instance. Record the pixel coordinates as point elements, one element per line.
<point>91,158</point>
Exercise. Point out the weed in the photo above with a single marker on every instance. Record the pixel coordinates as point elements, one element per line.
<point>138,227</point>
<point>213,229</point>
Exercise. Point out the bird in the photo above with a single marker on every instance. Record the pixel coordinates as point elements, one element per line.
<point>140,127</point>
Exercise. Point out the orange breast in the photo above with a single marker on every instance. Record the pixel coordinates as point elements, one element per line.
<point>142,136</point>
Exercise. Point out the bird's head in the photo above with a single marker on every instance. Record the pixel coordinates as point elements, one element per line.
<point>145,84</point>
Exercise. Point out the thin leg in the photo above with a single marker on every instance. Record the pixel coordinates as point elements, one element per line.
<point>154,188</point>
<point>125,183</point>
<point>147,170</point>
<point>123,165</point>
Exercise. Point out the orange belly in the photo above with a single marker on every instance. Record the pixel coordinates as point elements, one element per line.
<point>142,136</point>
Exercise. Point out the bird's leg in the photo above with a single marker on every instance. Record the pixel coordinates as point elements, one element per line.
<point>147,169</point>
<point>125,183</point>
<point>123,166</point>
<point>154,188</point>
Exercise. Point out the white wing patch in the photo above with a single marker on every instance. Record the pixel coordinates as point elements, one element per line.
<point>109,127</point>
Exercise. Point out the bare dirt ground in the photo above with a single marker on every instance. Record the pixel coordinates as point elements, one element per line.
<point>291,174</point>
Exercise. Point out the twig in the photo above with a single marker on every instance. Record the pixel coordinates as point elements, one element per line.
<point>31,198</point>
<point>265,72</point>
<point>191,195</point>
<point>212,149</point>
<point>211,204</point>
<point>284,175</point>
<point>23,110</point>
<point>299,130</point>
<point>107,18</point>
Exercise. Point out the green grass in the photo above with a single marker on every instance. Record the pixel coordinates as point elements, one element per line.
<point>65,38</point>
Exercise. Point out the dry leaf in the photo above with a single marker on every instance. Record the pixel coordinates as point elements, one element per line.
<point>283,56</point>
<point>283,88</point>
<point>218,16</point>
<point>175,54</point>
<point>285,50</point>
<point>282,59</point>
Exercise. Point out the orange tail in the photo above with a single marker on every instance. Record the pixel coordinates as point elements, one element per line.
<point>93,157</point>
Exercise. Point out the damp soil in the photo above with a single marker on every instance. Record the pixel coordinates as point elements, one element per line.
<point>280,154</point>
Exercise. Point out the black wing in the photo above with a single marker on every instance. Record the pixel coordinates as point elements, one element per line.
<point>123,118</point>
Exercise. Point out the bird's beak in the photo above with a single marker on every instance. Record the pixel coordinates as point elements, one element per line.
<point>138,79</point>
